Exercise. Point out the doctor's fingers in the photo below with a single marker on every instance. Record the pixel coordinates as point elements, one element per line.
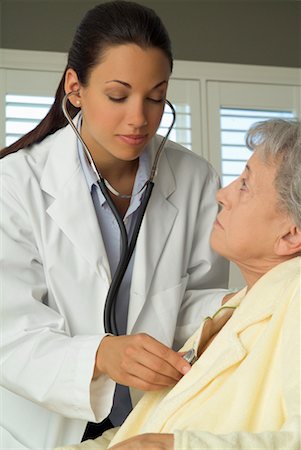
<point>167,355</point>
<point>117,354</point>
<point>150,378</point>
<point>152,368</point>
<point>125,366</point>
<point>143,379</point>
<point>152,354</point>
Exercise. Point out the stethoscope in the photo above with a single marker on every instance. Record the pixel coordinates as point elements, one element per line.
<point>127,247</point>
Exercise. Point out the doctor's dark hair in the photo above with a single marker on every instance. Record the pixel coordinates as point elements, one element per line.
<point>103,27</point>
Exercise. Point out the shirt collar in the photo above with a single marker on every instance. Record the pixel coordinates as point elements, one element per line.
<point>142,175</point>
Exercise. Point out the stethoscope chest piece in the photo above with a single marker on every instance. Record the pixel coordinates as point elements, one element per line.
<point>190,356</point>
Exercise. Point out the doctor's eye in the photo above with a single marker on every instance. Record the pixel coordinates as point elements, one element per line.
<point>117,99</point>
<point>155,100</point>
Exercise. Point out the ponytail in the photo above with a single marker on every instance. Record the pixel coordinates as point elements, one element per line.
<point>53,121</point>
<point>108,24</point>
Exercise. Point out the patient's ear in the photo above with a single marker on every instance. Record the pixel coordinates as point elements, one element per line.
<point>290,243</point>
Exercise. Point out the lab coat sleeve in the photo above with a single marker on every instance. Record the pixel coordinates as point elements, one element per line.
<point>208,272</point>
<point>288,437</point>
<point>39,360</point>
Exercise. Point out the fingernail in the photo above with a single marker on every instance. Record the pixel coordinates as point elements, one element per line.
<point>185,369</point>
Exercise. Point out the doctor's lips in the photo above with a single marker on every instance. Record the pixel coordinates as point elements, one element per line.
<point>133,139</point>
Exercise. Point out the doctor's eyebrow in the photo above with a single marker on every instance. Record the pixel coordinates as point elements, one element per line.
<point>124,83</point>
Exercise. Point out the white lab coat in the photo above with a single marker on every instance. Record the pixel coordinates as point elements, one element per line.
<point>56,276</point>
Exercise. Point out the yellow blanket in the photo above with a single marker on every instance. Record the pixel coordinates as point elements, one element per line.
<point>244,391</point>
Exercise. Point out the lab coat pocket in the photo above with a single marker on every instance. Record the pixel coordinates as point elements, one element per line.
<point>8,442</point>
<point>158,316</point>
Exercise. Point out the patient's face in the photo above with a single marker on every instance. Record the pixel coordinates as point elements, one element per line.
<point>249,222</point>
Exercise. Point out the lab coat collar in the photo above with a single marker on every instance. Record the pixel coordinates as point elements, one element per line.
<point>72,207</point>
<point>64,180</point>
<point>62,161</point>
<point>164,180</point>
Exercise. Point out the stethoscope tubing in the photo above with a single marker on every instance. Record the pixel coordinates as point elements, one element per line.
<point>127,248</point>
<point>126,254</point>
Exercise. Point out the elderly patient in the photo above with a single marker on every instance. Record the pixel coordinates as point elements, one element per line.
<point>243,391</point>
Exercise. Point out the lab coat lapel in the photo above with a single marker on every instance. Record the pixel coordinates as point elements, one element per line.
<point>72,208</point>
<point>153,235</point>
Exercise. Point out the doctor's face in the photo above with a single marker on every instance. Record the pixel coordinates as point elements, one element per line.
<point>123,103</point>
<point>250,222</point>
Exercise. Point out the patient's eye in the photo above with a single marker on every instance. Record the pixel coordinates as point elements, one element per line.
<point>243,184</point>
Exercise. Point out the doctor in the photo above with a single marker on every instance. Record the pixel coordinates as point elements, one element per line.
<point>61,244</point>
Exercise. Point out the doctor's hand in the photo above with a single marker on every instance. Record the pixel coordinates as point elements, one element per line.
<point>139,361</point>
<point>149,441</point>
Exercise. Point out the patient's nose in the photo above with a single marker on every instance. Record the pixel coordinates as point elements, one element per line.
<point>223,196</point>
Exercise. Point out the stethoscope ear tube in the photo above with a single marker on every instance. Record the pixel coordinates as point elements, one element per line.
<point>126,254</point>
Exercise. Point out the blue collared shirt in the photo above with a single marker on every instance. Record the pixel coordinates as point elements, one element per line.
<point>112,241</point>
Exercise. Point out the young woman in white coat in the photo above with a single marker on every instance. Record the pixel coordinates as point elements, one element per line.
<point>61,242</point>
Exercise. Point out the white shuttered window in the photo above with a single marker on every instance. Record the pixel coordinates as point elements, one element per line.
<point>24,112</point>
<point>234,124</point>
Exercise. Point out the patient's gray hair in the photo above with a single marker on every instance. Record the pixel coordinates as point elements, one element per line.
<point>281,140</point>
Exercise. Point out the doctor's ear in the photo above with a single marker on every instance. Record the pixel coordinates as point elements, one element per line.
<point>290,243</point>
<point>72,84</point>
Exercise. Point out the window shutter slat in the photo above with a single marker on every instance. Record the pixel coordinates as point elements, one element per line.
<point>23,113</point>
<point>234,125</point>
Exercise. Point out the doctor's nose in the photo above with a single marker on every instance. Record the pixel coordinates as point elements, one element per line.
<point>137,117</point>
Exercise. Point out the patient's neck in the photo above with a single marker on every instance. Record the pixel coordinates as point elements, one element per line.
<point>252,271</point>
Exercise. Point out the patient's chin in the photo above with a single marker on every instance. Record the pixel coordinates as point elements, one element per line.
<point>218,245</point>
<point>215,243</point>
